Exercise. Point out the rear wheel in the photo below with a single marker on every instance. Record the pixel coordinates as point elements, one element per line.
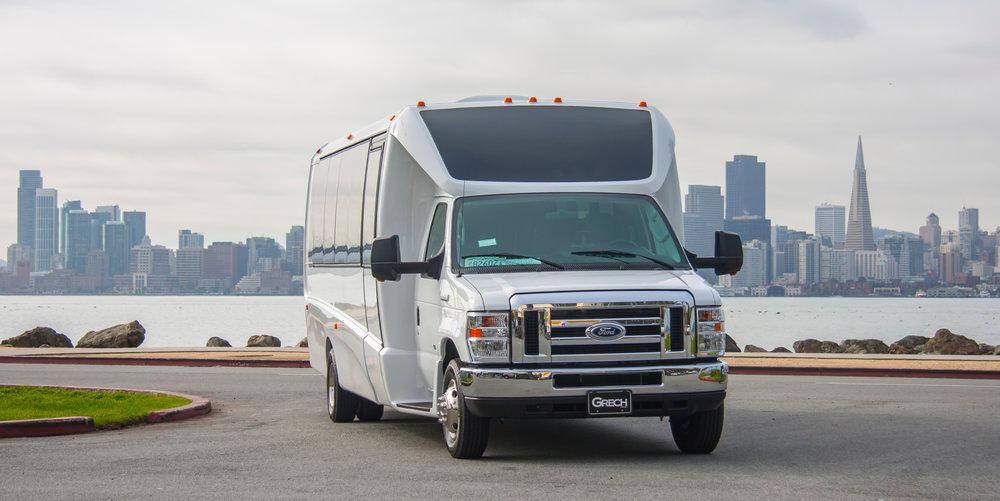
<point>698,433</point>
<point>368,410</point>
<point>465,434</point>
<point>341,404</point>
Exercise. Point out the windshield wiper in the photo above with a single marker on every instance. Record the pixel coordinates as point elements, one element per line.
<point>611,253</point>
<point>518,256</point>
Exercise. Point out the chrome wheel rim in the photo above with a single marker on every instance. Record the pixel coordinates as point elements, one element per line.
<point>331,392</point>
<point>450,416</point>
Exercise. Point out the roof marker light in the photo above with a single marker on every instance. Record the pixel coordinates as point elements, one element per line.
<point>390,118</point>
<point>532,99</point>
<point>421,103</point>
<point>319,151</point>
<point>349,136</point>
<point>642,103</point>
<point>508,100</point>
<point>557,100</point>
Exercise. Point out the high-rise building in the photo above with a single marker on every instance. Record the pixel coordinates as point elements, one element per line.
<point>97,220</point>
<point>744,187</point>
<point>754,271</point>
<point>703,211</point>
<point>185,238</point>
<point>190,267</point>
<point>226,262</point>
<point>264,254</point>
<point>876,265</point>
<point>115,244</point>
<point>16,253</point>
<point>294,242</point>
<point>149,259</point>
<point>930,233</point>
<point>29,181</point>
<point>830,224</point>
<point>113,211</point>
<point>950,264</point>
<point>46,229</point>
<point>808,271</point>
<point>859,222</point>
<point>96,268</point>
<point>968,231</point>
<point>77,239</point>
<point>135,221</point>
<point>837,264</point>
<point>66,207</point>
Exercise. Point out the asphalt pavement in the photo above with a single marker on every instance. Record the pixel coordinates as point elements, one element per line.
<point>269,437</point>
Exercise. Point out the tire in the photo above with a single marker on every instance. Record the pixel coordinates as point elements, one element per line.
<point>341,404</point>
<point>368,410</point>
<point>465,434</point>
<point>698,433</point>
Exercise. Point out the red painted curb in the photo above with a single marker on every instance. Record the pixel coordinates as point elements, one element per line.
<point>185,362</point>
<point>43,427</point>
<point>80,424</point>
<point>864,372</point>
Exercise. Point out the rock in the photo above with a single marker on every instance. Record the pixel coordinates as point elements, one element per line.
<point>909,345</point>
<point>816,346</point>
<point>305,344</point>
<point>830,347</point>
<point>781,349</point>
<point>986,349</point>
<point>946,342</point>
<point>263,341</point>
<point>128,335</point>
<point>731,346</point>
<point>218,342</point>
<point>864,346</point>
<point>37,338</point>
<point>997,351</point>
<point>753,349</point>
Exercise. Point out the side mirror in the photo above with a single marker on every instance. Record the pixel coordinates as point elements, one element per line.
<point>386,265</point>
<point>728,255</point>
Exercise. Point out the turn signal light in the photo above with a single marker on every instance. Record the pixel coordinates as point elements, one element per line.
<point>475,333</point>
<point>557,100</point>
<point>642,103</point>
<point>421,103</point>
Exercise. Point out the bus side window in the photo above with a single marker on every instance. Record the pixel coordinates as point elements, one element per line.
<point>372,174</point>
<point>435,237</point>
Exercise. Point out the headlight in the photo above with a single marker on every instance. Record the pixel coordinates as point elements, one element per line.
<point>711,332</point>
<point>488,336</point>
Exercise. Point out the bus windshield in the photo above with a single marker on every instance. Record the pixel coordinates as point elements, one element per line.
<point>562,231</point>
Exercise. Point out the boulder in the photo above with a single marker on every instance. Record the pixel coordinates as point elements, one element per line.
<point>986,349</point>
<point>37,338</point>
<point>263,341</point>
<point>830,347</point>
<point>946,342</point>
<point>218,342</point>
<point>731,346</point>
<point>864,346</point>
<point>781,349</point>
<point>816,346</point>
<point>305,344</point>
<point>909,345</point>
<point>753,349</point>
<point>997,351</point>
<point>128,335</point>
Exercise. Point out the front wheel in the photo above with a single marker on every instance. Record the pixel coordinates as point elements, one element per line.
<point>340,403</point>
<point>465,434</point>
<point>698,433</point>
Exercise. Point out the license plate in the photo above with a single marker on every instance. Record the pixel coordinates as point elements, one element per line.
<point>609,402</point>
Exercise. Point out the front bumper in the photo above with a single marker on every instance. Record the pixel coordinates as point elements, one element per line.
<point>657,389</point>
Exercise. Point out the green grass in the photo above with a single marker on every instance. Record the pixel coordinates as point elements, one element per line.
<point>108,408</point>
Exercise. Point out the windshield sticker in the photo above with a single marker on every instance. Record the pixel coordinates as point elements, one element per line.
<point>498,261</point>
<point>489,242</point>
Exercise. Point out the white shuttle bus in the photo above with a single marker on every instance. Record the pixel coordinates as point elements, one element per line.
<point>508,258</point>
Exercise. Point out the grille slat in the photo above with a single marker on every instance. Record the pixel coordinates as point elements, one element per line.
<point>603,313</point>
<point>598,380</point>
<point>676,329</point>
<point>604,348</point>
<point>630,330</point>
<point>531,332</point>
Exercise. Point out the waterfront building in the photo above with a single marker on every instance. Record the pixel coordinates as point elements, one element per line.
<point>185,238</point>
<point>859,222</point>
<point>115,244</point>
<point>135,222</point>
<point>830,223</point>
<point>63,213</point>
<point>76,224</point>
<point>190,267</point>
<point>703,211</point>
<point>294,242</point>
<point>950,264</point>
<point>97,268</point>
<point>29,181</point>
<point>149,259</point>
<point>16,253</point>
<point>754,271</point>
<point>744,187</point>
<point>225,262</point>
<point>46,229</point>
<point>981,270</point>
<point>837,264</point>
<point>808,270</point>
<point>875,265</point>
<point>968,231</point>
<point>249,284</point>
<point>263,254</point>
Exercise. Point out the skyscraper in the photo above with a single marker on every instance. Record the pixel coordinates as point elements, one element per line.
<point>968,230</point>
<point>930,233</point>
<point>859,224</point>
<point>115,245</point>
<point>77,239</point>
<point>66,207</point>
<point>263,254</point>
<point>185,238</point>
<point>830,223</point>
<point>703,210</point>
<point>97,220</point>
<point>113,211</point>
<point>30,180</point>
<point>135,221</point>
<point>744,187</point>
<point>46,229</point>
<point>294,241</point>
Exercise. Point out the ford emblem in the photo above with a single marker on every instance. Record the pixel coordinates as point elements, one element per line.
<point>606,331</point>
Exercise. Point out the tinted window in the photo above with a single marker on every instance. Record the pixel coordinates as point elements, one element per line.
<point>371,191</point>
<point>330,218</point>
<point>543,143</point>
<point>435,237</point>
<point>317,201</point>
<point>347,242</point>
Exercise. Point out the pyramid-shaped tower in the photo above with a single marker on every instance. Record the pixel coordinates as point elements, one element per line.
<point>859,222</point>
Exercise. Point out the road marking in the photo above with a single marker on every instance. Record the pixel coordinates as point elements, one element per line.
<point>919,384</point>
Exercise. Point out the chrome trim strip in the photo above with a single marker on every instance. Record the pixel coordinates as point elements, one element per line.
<point>570,323</point>
<point>574,341</point>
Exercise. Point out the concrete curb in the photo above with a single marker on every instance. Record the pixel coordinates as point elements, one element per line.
<point>188,362</point>
<point>81,424</point>
<point>865,372</point>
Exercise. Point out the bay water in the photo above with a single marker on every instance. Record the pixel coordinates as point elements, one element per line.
<point>188,321</point>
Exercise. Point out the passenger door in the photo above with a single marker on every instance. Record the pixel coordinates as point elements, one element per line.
<point>428,299</point>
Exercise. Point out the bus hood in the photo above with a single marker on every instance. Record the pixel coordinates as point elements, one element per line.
<point>497,288</point>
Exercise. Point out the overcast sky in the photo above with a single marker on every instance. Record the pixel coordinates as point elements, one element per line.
<point>205,114</point>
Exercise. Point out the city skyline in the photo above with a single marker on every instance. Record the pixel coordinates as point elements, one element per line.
<point>224,119</point>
